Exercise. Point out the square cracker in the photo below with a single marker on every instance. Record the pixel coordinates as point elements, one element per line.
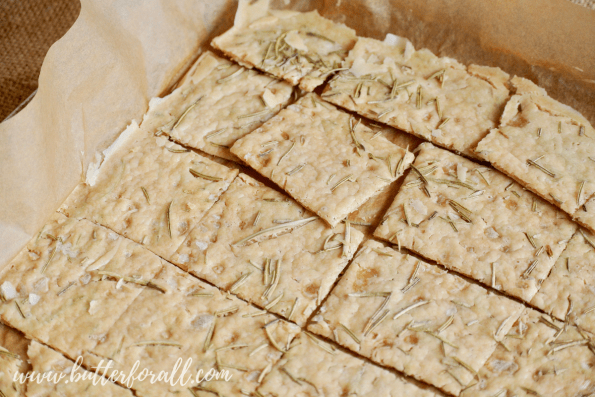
<point>307,254</point>
<point>145,190</point>
<point>547,146</point>
<point>415,317</point>
<point>307,367</point>
<point>569,290</point>
<point>323,157</point>
<point>538,357</point>
<point>68,275</point>
<point>437,99</point>
<point>487,229</point>
<point>193,320</point>
<point>299,47</point>
<point>216,103</point>
<point>44,360</point>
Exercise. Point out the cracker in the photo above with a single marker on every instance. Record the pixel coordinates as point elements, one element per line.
<point>415,317</point>
<point>159,328</point>
<point>217,103</point>
<point>63,288</point>
<point>299,47</point>
<point>9,366</point>
<point>586,214</point>
<point>308,368</point>
<point>307,254</point>
<point>535,359</point>
<point>323,157</point>
<point>488,232</point>
<point>544,145</point>
<point>368,216</point>
<point>569,292</point>
<point>77,383</point>
<point>13,359</point>
<point>149,190</point>
<point>15,342</point>
<point>437,99</point>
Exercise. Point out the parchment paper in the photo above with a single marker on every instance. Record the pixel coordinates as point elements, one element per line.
<point>101,75</point>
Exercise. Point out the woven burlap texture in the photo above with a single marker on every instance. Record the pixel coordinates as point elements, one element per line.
<point>27,30</point>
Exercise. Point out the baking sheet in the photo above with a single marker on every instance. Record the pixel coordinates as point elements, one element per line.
<point>101,75</point>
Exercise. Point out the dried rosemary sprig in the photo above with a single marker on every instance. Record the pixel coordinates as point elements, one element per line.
<point>286,153</point>
<point>540,167</point>
<point>197,174</point>
<point>186,112</point>
<point>273,341</point>
<point>343,180</point>
<point>144,283</point>
<point>240,281</point>
<point>158,343</point>
<point>168,217</point>
<point>350,333</point>
<point>146,195</point>
<point>409,308</point>
<point>209,336</point>
<point>231,76</point>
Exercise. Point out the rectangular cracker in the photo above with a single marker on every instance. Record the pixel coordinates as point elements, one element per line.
<point>569,290</point>
<point>149,190</point>
<point>301,48</point>
<point>311,365</point>
<point>538,357</point>
<point>323,157</point>
<point>78,383</point>
<point>307,254</point>
<point>547,146</point>
<point>215,104</point>
<point>483,228</point>
<point>193,320</point>
<point>415,317</point>
<point>437,99</point>
<point>69,275</point>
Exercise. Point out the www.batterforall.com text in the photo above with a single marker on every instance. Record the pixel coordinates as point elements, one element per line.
<point>178,376</point>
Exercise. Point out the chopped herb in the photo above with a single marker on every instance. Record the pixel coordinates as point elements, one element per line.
<point>443,123</point>
<point>409,308</point>
<point>158,343</point>
<point>343,180</point>
<point>274,302</point>
<point>146,195</point>
<point>177,150</point>
<point>239,282</point>
<point>286,153</point>
<point>186,112</point>
<point>556,199</point>
<point>197,174</point>
<point>168,217</point>
<point>580,191</point>
<point>540,167</point>
<point>231,76</point>
<point>273,341</point>
<point>350,333</point>
<point>292,308</point>
<point>296,169</point>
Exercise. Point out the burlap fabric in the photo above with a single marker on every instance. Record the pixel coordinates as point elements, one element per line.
<point>27,30</point>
